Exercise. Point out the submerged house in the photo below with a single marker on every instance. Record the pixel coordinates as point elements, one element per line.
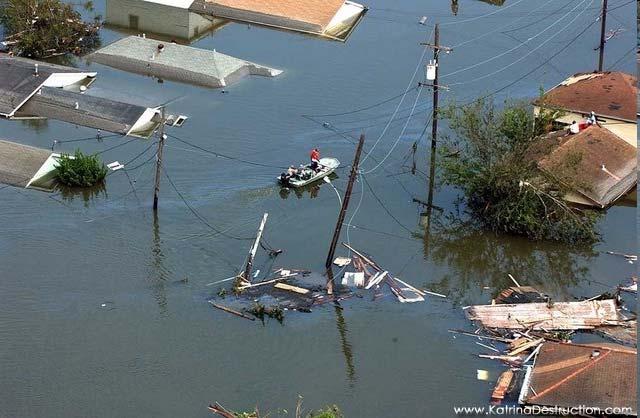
<point>587,375</point>
<point>31,89</point>
<point>171,18</point>
<point>612,96</point>
<point>332,19</point>
<point>189,19</point>
<point>595,163</point>
<point>177,62</point>
<point>26,166</point>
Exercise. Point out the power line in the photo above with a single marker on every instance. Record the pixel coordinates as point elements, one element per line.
<point>115,146</point>
<point>502,27</point>
<point>404,128</point>
<point>533,69</point>
<point>519,45</point>
<point>633,49</point>
<point>415,73</point>
<point>502,9</point>
<point>384,206</point>
<point>195,212</point>
<point>229,157</point>
<point>363,108</point>
<point>523,56</point>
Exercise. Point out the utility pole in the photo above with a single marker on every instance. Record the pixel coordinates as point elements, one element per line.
<point>159,161</point>
<point>434,115</point>
<point>603,28</point>
<point>254,249</point>
<point>341,216</point>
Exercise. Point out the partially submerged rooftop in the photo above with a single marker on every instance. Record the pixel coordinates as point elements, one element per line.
<point>21,78</point>
<point>26,166</point>
<point>177,62</point>
<point>608,94</point>
<point>93,112</point>
<point>36,89</point>
<point>334,19</point>
<point>591,375</point>
<point>599,165</point>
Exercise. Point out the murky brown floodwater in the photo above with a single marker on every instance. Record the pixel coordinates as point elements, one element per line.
<point>157,348</point>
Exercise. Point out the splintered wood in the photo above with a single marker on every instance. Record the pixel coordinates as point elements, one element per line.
<point>545,317</point>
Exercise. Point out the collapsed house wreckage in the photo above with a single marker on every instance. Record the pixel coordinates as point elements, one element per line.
<point>290,289</point>
<point>531,334</point>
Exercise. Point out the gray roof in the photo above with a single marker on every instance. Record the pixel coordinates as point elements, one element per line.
<point>18,80</point>
<point>177,62</point>
<point>19,163</point>
<point>93,112</point>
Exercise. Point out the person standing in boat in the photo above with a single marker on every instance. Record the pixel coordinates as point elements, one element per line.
<point>315,159</point>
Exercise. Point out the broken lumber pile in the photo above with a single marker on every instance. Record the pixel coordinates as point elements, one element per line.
<point>544,316</point>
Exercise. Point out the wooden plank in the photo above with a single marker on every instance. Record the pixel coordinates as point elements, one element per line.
<point>526,346</point>
<point>364,258</point>
<point>502,386</point>
<point>247,286</point>
<point>290,288</point>
<point>231,311</point>
<point>541,316</point>
<point>376,279</point>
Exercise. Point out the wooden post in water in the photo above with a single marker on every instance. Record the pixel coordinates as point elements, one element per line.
<point>603,28</point>
<point>341,216</point>
<point>156,190</point>
<point>254,249</point>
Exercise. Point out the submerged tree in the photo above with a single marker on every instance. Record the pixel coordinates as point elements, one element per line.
<point>80,170</point>
<point>47,28</point>
<point>487,158</point>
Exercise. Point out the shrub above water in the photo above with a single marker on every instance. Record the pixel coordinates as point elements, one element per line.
<point>80,170</point>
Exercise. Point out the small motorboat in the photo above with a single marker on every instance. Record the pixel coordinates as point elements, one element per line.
<point>306,175</point>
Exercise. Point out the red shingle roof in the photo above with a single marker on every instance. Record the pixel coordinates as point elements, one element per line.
<point>610,94</point>
<point>578,159</point>
<point>601,376</point>
<point>315,12</point>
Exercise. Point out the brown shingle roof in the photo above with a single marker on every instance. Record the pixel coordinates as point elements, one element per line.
<point>567,375</point>
<point>610,94</point>
<point>316,13</point>
<point>577,160</point>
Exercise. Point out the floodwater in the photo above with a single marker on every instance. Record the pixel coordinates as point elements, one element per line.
<point>97,320</point>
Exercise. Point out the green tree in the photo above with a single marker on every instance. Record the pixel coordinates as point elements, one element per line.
<point>80,170</point>
<point>46,28</point>
<point>486,158</point>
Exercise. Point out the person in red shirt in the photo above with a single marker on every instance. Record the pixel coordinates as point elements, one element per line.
<point>315,159</point>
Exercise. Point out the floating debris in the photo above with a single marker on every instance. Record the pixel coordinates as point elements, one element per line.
<point>547,316</point>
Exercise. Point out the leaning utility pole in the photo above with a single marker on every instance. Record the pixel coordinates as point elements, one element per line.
<point>159,161</point>
<point>343,212</point>
<point>603,28</point>
<point>254,249</point>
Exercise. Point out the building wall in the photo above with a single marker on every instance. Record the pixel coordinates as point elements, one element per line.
<point>155,18</point>
<point>199,24</point>
<point>625,130</point>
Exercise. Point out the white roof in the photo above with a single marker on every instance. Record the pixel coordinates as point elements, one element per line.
<point>181,4</point>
